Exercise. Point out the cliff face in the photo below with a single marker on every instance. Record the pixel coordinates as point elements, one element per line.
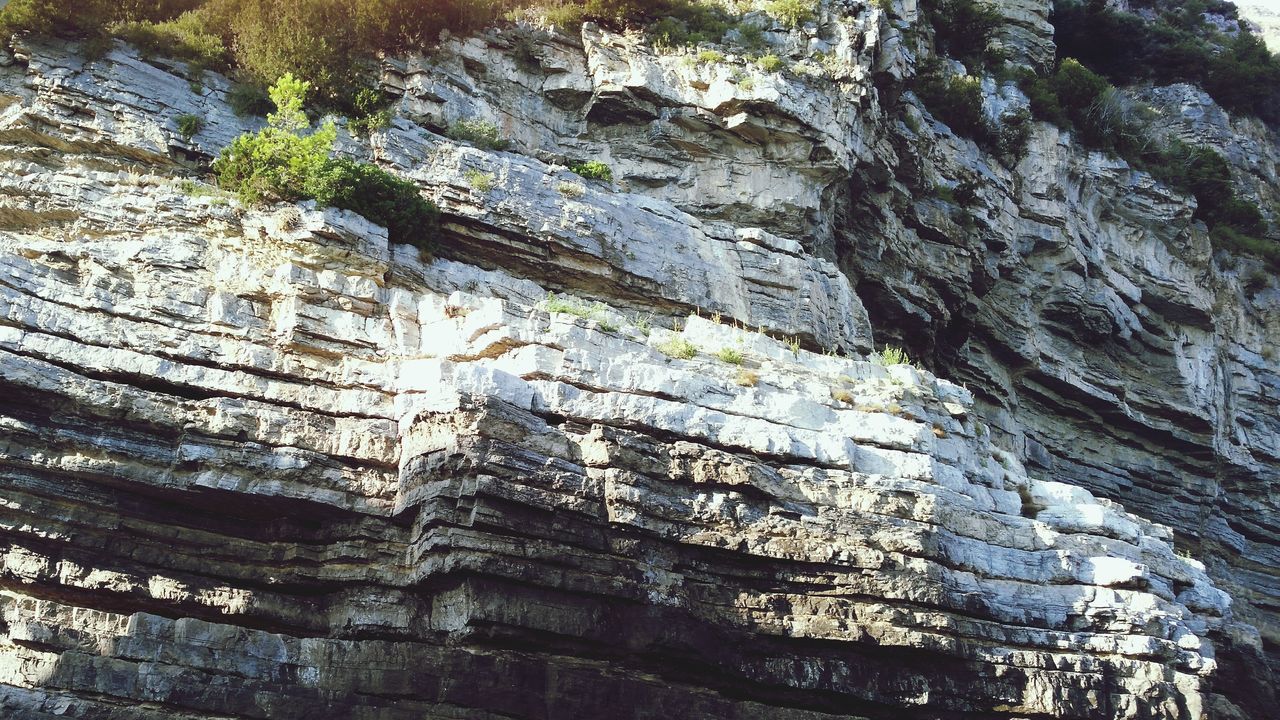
<point>258,463</point>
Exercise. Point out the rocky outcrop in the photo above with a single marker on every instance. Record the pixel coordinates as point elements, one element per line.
<point>618,449</point>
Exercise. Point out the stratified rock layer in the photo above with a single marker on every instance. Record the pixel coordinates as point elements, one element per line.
<point>260,464</point>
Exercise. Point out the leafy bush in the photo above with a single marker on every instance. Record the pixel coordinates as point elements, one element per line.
<point>1076,98</point>
<point>480,133</point>
<point>1045,104</point>
<point>668,33</point>
<point>378,195</point>
<point>675,24</point>
<point>1014,136</point>
<point>279,163</point>
<point>593,170</point>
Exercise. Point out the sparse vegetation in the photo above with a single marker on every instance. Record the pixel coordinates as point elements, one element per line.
<point>571,306</point>
<point>891,355</point>
<point>792,13</point>
<point>597,311</point>
<point>770,63</point>
<point>963,29</point>
<point>193,189</point>
<point>570,190</point>
<point>679,348</point>
<point>481,133</point>
<point>733,356</point>
<point>189,125</point>
<point>593,170</point>
<point>249,100</point>
<point>1174,44</point>
<point>480,181</point>
<point>1076,98</point>
<point>710,57</point>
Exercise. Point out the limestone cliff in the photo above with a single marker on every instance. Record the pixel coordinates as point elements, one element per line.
<point>617,449</point>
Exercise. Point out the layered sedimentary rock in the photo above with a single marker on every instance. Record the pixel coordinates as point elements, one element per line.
<point>258,463</point>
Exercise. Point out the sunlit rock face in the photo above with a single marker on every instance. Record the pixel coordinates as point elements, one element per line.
<point>619,448</point>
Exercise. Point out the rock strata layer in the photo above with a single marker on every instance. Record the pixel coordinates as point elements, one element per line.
<point>618,450</point>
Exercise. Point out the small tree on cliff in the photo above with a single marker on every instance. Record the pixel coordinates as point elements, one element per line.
<point>279,163</point>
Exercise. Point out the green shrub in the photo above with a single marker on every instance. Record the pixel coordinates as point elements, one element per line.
<point>1045,104</point>
<point>480,133</point>
<point>1231,240</point>
<point>184,38</point>
<point>189,125</point>
<point>84,18</point>
<point>593,170</point>
<point>1173,44</point>
<point>668,33</point>
<point>963,29</point>
<point>249,100</point>
<point>370,112</point>
<point>710,57</point>
<point>680,23</point>
<point>956,101</point>
<point>770,63</point>
<point>378,195</point>
<point>279,163</point>
<point>276,162</point>
<point>792,13</point>
<point>750,36</point>
<point>1014,136</point>
<point>1076,98</point>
